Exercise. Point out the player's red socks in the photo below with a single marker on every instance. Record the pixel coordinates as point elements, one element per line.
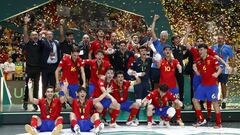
<point>218,118</point>
<point>114,115</point>
<point>97,123</point>
<point>59,121</point>
<point>199,115</point>
<point>73,122</point>
<point>133,112</point>
<point>178,114</point>
<point>209,109</point>
<point>34,122</point>
<point>150,118</point>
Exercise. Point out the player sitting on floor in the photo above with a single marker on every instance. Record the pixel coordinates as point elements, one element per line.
<point>50,119</point>
<point>157,103</point>
<point>83,118</point>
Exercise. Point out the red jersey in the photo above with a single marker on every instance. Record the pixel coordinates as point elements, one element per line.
<point>70,69</point>
<point>159,101</point>
<point>206,68</point>
<point>82,111</point>
<point>196,55</point>
<point>167,72</point>
<point>97,90</point>
<point>120,93</point>
<point>50,111</point>
<point>99,45</point>
<point>97,69</point>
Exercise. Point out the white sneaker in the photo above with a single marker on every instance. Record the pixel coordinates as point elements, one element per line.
<point>31,130</point>
<point>77,130</point>
<point>149,125</point>
<point>114,125</point>
<point>131,123</point>
<point>136,122</point>
<point>99,128</point>
<point>166,124</point>
<point>180,122</point>
<point>57,129</point>
<point>161,123</point>
<point>153,122</point>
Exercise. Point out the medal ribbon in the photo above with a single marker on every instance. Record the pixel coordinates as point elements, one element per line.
<point>82,108</point>
<point>99,68</point>
<point>121,91</point>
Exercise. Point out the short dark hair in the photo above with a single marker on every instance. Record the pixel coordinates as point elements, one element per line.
<point>167,46</point>
<point>200,37</point>
<point>202,46</point>
<point>122,42</point>
<point>99,51</point>
<point>164,87</point>
<point>69,33</point>
<point>110,68</point>
<point>49,87</point>
<point>75,49</point>
<point>142,47</point>
<point>81,89</point>
<point>174,37</point>
<point>119,73</point>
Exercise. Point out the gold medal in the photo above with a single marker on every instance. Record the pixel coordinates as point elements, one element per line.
<point>82,117</point>
<point>121,99</point>
<point>48,116</point>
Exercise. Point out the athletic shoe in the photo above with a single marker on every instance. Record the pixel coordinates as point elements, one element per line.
<point>77,130</point>
<point>57,129</point>
<point>131,123</point>
<point>104,121</point>
<point>217,126</point>
<point>99,128</point>
<point>25,106</point>
<point>149,125</point>
<point>136,122</point>
<point>114,125</point>
<point>166,124</point>
<point>200,123</point>
<point>223,105</point>
<point>31,130</point>
<point>180,122</point>
<point>154,123</point>
<point>35,107</point>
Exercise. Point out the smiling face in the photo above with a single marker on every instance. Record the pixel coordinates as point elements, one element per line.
<point>167,52</point>
<point>82,94</point>
<point>120,78</point>
<point>109,74</point>
<point>49,93</point>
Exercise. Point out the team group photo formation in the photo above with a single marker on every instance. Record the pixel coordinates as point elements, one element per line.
<point>146,67</point>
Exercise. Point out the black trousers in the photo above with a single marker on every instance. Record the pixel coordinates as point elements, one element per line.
<point>35,76</point>
<point>180,82</point>
<point>48,77</point>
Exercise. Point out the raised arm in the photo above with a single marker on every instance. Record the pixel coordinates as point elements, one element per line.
<point>155,18</point>
<point>57,75</point>
<point>25,29</point>
<point>61,38</point>
<point>30,93</point>
<point>83,76</point>
<point>185,38</point>
<point>104,94</point>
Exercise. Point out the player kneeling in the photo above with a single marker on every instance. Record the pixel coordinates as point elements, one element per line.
<point>50,119</point>
<point>157,103</point>
<point>82,118</point>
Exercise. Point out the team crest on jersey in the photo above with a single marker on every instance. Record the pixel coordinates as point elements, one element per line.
<point>73,69</point>
<point>208,62</point>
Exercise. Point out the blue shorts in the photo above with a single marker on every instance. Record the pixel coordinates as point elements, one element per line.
<point>106,102</point>
<point>206,92</point>
<point>125,106</point>
<point>91,88</point>
<point>196,81</point>
<point>223,78</point>
<point>47,125</point>
<point>174,91</point>
<point>85,125</point>
<point>73,88</point>
<point>161,111</point>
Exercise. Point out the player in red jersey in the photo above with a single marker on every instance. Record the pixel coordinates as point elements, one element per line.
<point>69,66</point>
<point>208,67</point>
<point>157,102</point>
<point>99,44</point>
<point>83,119</point>
<point>120,93</point>
<point>109,102</point>
<point>167,67</point>
<point>50,107</point>
<point>98,68</point>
